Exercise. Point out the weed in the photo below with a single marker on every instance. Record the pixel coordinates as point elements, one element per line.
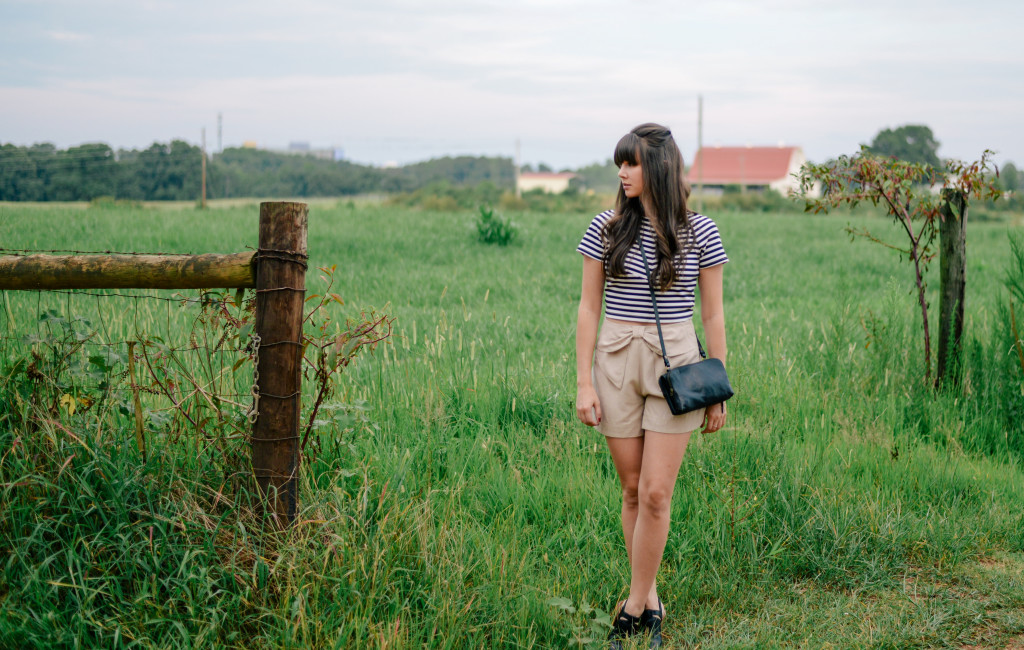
<point>493,228</point>
<point>590,625</point>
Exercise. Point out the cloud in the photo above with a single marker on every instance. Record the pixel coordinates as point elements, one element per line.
<point>68,36</point>
<point>404,80</point>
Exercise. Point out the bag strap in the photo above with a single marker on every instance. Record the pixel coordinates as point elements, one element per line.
<point>654,303</point>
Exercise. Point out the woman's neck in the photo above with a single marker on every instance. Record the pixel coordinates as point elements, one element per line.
<point>647,208</point>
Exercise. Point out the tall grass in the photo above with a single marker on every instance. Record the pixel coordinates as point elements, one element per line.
<point>461,505</point>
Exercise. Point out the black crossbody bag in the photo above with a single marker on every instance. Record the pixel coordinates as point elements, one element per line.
<point>693,386</point>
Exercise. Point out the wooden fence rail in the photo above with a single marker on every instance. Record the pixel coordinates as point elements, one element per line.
<point>49,272</point>
<point>277,270</point>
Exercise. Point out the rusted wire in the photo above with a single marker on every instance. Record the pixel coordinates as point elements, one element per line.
<point>287,477</point>
<point>114,294</point>
<point>33,251</point>
<point>110,344</point>
<point>291,396</point>
<point>267,345</point>
<point>291,257</point>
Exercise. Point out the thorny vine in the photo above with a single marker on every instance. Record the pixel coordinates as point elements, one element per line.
<point>190,389</point>
<point>325,355</point>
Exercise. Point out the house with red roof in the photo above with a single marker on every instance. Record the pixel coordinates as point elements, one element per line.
<point>751,168</point>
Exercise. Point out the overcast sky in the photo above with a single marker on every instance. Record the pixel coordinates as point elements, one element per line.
<point>400,81</point>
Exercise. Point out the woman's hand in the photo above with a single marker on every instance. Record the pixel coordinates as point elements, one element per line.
<point>588,407</point>
<point>709,281</point>
<point>714,418</point>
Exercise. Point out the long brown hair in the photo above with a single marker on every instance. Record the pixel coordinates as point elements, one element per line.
<point>652,147</point>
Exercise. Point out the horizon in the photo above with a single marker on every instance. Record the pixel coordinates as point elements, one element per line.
<point>391,165</point>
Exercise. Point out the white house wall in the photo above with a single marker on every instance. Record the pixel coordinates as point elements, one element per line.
<point>551,186</point>
<point>789,184</point>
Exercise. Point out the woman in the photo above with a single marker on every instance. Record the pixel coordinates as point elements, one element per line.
<point>620,395</point>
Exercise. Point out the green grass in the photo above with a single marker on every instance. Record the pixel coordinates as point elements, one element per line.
<point>846,503</point>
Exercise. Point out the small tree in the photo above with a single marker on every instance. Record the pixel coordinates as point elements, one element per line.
<point>904,190</point>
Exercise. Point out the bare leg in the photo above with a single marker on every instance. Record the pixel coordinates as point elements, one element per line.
<point>628,454</point>
<point>647,469</point>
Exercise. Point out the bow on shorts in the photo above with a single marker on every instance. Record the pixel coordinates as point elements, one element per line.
<point>613,344</point>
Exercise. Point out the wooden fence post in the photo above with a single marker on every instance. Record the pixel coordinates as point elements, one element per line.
<point>280,293</point>
<point>953,268</point>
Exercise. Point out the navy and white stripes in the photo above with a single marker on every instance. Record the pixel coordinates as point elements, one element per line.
<point>627,298</point>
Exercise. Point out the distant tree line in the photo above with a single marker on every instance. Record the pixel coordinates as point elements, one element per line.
<point>42,172</point>
<point>172,171</point>
<point>599,177</point>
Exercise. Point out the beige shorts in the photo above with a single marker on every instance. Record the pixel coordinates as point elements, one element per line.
<point>627,365</point>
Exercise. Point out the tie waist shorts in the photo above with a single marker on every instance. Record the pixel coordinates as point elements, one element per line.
<point>627,364</point>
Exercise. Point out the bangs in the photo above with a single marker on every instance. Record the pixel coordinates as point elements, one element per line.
<point>627,150</point>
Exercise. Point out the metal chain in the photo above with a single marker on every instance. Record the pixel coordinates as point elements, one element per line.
<point>254,411</point>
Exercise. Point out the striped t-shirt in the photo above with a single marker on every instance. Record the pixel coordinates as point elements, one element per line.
<point>628,298</point>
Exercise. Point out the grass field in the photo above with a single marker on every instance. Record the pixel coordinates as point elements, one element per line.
<point>461,505</point>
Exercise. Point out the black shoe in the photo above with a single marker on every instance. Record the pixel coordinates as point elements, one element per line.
<point>623,627</point>
<point>650,623</point>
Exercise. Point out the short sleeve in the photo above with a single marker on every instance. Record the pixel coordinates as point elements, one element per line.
<point>712,252</point>
<point>592,244</point>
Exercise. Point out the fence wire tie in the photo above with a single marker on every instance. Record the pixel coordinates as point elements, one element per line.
<point>255,439</point>
<point>292,257</point>
<point>268,345</point>
<point>291,396</point>
<point>286,477</point>
<point>254,410</point>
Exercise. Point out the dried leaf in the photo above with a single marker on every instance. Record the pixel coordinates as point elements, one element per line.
<point>68,402</point>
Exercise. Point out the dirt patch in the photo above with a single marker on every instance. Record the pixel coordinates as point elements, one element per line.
<point>992,574</point>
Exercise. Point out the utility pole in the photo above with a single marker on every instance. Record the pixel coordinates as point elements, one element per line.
<point>519,192</point>
<point>202,200</point>
<point>700,145</point>
<point>220,133</point>
<point>743,171</point>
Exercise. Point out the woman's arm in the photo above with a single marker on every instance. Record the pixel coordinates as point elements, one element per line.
<point>588,408</point>
<point>712,315</point>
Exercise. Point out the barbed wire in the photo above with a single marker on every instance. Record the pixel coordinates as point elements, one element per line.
<point>205,375</point>
<point>110,344</point>
<point>191,346</point>
<point>112,293</point>
<point>155,391</point>
<point>32,251</point>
